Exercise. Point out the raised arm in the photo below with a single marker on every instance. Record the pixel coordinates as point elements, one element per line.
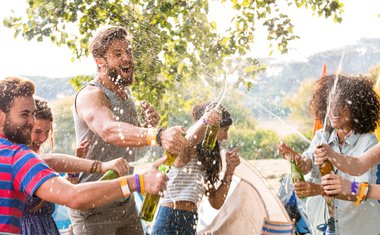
<point>95,194</point>
<point>195,134</point>
<point>94,108</point>
<point>304,163</point>
<point>217,196</point>
<point>354,166</point>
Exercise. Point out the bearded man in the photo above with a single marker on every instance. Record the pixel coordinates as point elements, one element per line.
<point>105,114</point>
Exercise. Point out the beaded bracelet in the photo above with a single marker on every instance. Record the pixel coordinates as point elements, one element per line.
<point>137,180</point>
<point>95,165</point>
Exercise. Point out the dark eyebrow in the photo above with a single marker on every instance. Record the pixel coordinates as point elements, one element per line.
<point>28,111</point>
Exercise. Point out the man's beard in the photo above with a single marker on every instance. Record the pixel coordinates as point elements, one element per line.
<point>17,136</point>
<point>117,79</point>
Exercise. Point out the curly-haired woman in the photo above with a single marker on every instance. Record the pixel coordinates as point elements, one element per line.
<point>353,115</point>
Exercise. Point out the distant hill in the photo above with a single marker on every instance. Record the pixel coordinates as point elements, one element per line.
<point>52,88</point>
<point>282,78</point>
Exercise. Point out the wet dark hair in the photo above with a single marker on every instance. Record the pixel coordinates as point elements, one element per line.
<point>13,87</point>
<point>199,110</point>
<point>43,111</point>
<point>353,92</point>
<point>103,40</point>
<point>211,160</point>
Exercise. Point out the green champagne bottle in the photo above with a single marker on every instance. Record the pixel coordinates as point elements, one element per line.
<point>210,137</point>
<point>295,172</point>
<point>150,203</point>
<point>110,175</point>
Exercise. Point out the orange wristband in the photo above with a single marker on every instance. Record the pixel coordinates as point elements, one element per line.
<point>141,178</point>
<point>151,135</point>
<point>363,193</point>
<point>124,186</point>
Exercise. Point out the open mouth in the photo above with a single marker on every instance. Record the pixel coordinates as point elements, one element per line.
<point>35,146</point>
<point>335,120</point>
<point>125,70</point>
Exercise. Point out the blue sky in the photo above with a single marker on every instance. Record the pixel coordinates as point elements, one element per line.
<point>20,57</point>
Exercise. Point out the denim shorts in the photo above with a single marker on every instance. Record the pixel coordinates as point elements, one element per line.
<point>170,221</point>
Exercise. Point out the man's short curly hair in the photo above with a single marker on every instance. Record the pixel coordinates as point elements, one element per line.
<point>13,87</point>
<point>354,92</point>
<point>103,40</point>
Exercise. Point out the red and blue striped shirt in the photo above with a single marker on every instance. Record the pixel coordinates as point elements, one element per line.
<point>21,173</point>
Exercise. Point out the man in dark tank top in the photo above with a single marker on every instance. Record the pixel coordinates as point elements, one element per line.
<point>105,114</point>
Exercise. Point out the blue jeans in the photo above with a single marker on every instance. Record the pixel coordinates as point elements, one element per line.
<point>170,221</point>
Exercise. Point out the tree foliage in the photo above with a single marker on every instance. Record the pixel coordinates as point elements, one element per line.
<point>296,143</point>
<point>173,40</point>
<point>64,133</point>
<point>374,72</point>
<point>298,104</point>
<point>255,144</point>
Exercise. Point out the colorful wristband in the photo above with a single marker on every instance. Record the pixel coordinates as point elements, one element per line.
<point>204,121</point>
<point>354,188</point>
<point>124,187</point>
<point>137,180</point>
<point>363,193</point>
<point>73,175</point>
<point>141,177</point>
<point>151,136</point>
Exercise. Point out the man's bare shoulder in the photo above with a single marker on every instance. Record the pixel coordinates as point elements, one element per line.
<point>90,93</point>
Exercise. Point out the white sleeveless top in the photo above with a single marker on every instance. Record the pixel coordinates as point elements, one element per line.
<point>185,183</point>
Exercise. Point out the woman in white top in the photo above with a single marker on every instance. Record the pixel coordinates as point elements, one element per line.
<point>196,173</point>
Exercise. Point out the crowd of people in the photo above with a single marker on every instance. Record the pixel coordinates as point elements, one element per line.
<point>108,134</point>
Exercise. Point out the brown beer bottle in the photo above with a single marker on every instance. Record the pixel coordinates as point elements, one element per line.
<point>326,167</point>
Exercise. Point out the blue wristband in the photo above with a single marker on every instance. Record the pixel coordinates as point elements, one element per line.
<point>137,179</point>
<point>73,175</point>
<point>354,187</point>
<point>204,121</point>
